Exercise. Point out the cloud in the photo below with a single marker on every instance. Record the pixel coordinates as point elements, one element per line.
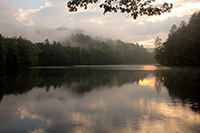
<point>7,13</point>
<point>54,13</point>
<point>31,24</point>
<point>24,15</point>
<point>26,4</point>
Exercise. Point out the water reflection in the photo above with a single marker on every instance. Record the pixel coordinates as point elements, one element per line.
<point>182,85</point>
<point>148,81</point>
<point>19,81</point>
<point>99,100</point>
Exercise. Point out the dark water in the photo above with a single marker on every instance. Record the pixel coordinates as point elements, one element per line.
<point>100,99</point>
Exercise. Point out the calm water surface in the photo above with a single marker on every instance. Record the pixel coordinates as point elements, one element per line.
<point>100,99</point>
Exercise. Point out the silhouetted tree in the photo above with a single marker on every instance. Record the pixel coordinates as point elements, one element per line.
<point>132,7</point>
<point>3,52</point>
<point>182,47</point>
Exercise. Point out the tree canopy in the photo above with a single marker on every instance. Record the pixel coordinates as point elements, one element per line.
<point>78,49</point>
<point>182,47</point>
<point>132,7</point>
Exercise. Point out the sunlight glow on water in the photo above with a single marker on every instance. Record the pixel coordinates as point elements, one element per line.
<point>124,67</point>
<point>149,82</point>
<point>94,100</point>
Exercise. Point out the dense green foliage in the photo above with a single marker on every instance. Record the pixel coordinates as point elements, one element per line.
<point>132,7</point>
<point>17,52</point>
<point>78,49</point>
<point>90,51</point>
<point>182,47</point>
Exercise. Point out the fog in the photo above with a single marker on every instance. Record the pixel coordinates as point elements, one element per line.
<point>35,33</point>
<point>53,21</point>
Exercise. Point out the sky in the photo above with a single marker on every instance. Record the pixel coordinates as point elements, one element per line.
<point>37,20</point>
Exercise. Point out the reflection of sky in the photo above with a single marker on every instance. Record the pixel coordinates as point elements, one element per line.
<point>148,82</point>
<point>129,108</point>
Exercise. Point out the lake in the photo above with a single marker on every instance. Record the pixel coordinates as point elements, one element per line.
<point>100,99</point>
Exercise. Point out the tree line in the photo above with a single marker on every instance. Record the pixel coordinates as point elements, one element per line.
<point>182,47</point>
<point>78,49</point>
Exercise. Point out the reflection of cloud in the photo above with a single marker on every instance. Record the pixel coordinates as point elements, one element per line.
<point>24,113</point>
<point>150,82</point>
<point>38,131</point>
<point>97,105</point>
<point>80,118</point>
<point>125,108</point>
<point>177,113</point>
<point>173,118</point>
<point>85,122</point>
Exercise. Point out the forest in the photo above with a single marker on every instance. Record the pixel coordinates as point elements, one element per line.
<point>182,47</point>
<point>78,49</point>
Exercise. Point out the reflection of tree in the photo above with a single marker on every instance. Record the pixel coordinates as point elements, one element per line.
<point>17,81</point>
<point>79,81</point>
<point>182,83</point>
<point>159,81</point>
<point>101,78</point>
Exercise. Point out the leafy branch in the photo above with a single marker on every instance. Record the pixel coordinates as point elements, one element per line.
<point>132,7</point>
